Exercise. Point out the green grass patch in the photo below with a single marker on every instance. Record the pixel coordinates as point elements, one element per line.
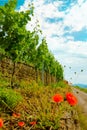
<point>40,105</point>
<point>35,103</point>
<point>82,119</point>
<point>9,97</point>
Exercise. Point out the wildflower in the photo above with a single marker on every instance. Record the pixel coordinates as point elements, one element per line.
<point>71,99</point>
<point>33,123</point>
<point>57,98</point>
<point>21,124</point>
<point>16,115</point>
<point>1,122</point>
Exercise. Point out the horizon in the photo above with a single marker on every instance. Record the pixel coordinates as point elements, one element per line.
<point>64,24</point>
<point>80,85</point>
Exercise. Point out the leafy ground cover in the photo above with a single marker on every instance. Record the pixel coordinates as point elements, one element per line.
<point>32,106</point>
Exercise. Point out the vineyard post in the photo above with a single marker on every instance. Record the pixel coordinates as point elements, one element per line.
<point>55,74</point>
<point>43,72</point>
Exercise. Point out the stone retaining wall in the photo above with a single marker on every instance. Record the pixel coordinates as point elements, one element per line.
<point>24,71</point>
<point>70,121</point>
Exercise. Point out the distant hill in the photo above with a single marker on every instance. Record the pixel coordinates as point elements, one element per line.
<point>81,85</point>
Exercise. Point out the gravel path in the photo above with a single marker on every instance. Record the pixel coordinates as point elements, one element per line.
<point>82,99</point>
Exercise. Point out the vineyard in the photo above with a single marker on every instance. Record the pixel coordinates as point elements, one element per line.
<point>22,45</point>
<point>33,92</point>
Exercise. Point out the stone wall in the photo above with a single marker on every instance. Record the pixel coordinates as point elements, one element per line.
<point>70,121</point>
<point>24,71</point>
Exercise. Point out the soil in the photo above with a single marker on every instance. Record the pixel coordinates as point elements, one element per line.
<point>82,99</point>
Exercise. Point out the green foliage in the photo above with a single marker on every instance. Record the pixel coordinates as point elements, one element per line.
<point>13,29</point>
<point>10,97</point>
<point>37,105</point>
<point>60,84</point>
<point>29,54</point>
<point>82,118</point>
<point>42,53</point>
<point>3,81</point>
<point>22,45</point>
<point>46,61</point>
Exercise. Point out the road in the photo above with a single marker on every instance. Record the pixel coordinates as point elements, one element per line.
<point>82,99</point>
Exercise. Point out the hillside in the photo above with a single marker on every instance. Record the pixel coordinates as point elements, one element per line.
<point>34,106</point>
<point>81,85</point>
<point>33,92</point>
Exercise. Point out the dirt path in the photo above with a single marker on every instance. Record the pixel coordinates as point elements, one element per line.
<point>82,99</point>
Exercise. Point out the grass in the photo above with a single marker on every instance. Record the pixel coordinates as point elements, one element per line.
<point>34,103</point>
<point>82,89</point>
<point>82,116</point>
<point>9,97</point>
<point>82,119</point>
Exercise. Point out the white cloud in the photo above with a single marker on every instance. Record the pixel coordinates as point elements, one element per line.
<point>43,11</point>
<point>80,2</point>
<point>25,6</point>
<point>77,47</point>
<point>47,10</point>
<point>77,16</point>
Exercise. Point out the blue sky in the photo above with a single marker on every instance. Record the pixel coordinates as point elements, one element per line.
<point>64,24</point>
<point>19,3</point>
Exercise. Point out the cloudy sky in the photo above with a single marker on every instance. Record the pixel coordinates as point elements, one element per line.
<point>64,24</point>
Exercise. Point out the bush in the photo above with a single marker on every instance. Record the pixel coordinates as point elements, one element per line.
<point>10,97</point>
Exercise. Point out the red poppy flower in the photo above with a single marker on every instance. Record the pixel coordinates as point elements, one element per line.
<point>57,98</point>
<point>16,115</point>
<point>71,99</point>
<point>33,123</point>
<point>1,122</point>
<point>21,124</point>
